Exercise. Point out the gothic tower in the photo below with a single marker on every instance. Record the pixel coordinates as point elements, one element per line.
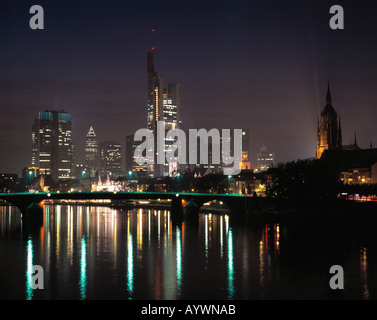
<point>329,132</point>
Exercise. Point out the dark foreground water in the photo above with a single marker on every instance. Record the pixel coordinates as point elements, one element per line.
<point>101,253</point>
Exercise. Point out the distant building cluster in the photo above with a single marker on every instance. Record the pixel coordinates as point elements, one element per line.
<point>53,155</point>
<point>53,165</point>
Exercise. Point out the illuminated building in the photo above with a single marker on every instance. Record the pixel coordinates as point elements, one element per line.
<point>365,173</point>
<point>358,175</point>
<point>106,186</point>
<point>111,154</point>
<point>170,105</point>
<point>356,166</point>
<point>163,104</point>
<point>52,147</point>
<point>91,152</point>
<point>265,159</point>
<point>329,131</point>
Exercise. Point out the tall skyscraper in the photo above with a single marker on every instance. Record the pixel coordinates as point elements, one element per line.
<point>91,152</point>
<point>111,156</point>
<point>329,131</point>
<point>170,107</point>
<point>163,104</point>
<point>52,150</point>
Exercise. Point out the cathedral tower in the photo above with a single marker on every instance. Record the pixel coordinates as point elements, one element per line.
<point>329,132</point>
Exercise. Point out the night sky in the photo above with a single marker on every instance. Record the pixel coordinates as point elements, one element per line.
<point>262,65</point>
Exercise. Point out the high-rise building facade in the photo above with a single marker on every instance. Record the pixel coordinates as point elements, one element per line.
<point>329,131</point>
<point>111,157</point>
<point>163,104</point>
<point>91,152</point>
<point>170,107</point>
<point>52,148</point>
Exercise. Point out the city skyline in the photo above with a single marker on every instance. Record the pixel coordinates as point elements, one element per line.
<point>272,81</point>
<point>159,152</point>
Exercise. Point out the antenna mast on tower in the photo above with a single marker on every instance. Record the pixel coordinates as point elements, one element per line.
<point>153,31</point>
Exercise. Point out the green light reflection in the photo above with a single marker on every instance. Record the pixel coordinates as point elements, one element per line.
<point>29,270</point>
<point>179,261</point>
<point>83,281</point>
<point>130,267</point>
<point>230,265</point>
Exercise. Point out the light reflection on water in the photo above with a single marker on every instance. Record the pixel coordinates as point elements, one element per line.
<point>83,269</point>
<point>130,266</point>
<point>102,253</point>
<point>29,270</point>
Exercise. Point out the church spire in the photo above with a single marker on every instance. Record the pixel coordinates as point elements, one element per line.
<point>329,136</point>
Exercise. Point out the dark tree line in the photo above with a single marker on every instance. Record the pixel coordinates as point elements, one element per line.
<point>305,179</point>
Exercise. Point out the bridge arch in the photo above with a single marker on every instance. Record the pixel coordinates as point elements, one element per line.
<point>215,205</point>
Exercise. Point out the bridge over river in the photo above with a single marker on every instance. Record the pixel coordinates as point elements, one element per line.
<point>31,204</point>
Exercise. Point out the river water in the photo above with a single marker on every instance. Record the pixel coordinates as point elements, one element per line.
<point>89,252</point>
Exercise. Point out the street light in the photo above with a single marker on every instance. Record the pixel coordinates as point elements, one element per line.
<point>229,178</point>
<point>30,174</point>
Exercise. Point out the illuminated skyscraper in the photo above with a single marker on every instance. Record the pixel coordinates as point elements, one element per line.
<point>170,105</point>
<point>91,152</point>
<point>163,105</point>
<point>52,148</point>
